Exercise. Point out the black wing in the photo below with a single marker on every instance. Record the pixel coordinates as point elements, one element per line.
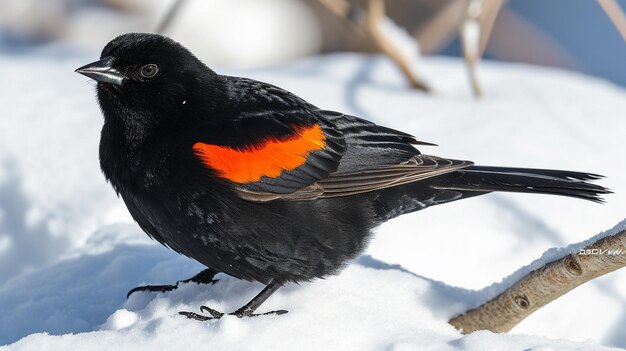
<point>374,158</point>
<point>275,152</point>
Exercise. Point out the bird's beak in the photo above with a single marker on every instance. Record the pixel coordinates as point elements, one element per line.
<point>103,71</point>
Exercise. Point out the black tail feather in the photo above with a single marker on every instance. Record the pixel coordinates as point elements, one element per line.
<point>523,180</point>
<point>536,172</point>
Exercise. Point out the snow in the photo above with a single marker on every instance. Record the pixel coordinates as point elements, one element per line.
<point>69,251</point>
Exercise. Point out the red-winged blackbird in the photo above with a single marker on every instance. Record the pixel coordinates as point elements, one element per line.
<point>253,181</point>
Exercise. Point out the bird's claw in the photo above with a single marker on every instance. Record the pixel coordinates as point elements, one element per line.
<point>196,316</point>
<point>152,288</point>
<point>204,277</point>
<point>215,313</point>
<point>240,313</point>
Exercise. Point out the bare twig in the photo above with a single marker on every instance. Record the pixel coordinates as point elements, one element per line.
<point>370,27</point>
<point>490,13</point>
<point>470,41</point>
<point>441,28</point>
<point>544,285</point>
<point>616,14</point>
<point>375,15</point>
<point>476,26</point>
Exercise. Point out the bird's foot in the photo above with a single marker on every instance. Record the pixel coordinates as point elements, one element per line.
<point>152,288</point>
<point>204,277</point>
<point>214,314</point>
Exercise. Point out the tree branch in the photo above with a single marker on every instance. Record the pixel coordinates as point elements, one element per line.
<point>441,28</point>
<point>490,13</point>
<point>375,15</point>
<point>544,285</point>
<point>480,15</point>
<point>616,14</point>
<point>370,26</point>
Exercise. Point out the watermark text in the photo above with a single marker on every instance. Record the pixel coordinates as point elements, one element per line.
<point>613,252</point>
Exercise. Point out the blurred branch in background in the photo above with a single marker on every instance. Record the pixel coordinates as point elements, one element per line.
<point>435,23</point>
<point>441,27</point>
<point>373,21</point>
<point>616,14</point>
<point>369,25</point>
<point>253,32</point>
<point>470,33</point>
<point>480,15</point>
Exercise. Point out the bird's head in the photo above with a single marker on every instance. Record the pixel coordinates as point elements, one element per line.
<point>145,80</point>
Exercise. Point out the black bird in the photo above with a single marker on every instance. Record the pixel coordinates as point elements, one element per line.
<point>253,181</point>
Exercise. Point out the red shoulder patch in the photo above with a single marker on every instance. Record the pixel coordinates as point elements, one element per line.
<point>268,157</point>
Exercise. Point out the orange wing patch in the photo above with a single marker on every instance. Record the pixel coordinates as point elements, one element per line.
<point>268,158</point>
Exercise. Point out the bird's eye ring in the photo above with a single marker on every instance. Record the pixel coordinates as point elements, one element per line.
<point>149,71</point>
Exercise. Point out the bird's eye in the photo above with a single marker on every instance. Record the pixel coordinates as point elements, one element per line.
<point>149,71</point>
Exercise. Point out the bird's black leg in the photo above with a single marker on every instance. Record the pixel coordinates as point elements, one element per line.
<point>246,311</point>
<point>204,277</point>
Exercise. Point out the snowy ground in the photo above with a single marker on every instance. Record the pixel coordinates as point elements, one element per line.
<point>69,251</point>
